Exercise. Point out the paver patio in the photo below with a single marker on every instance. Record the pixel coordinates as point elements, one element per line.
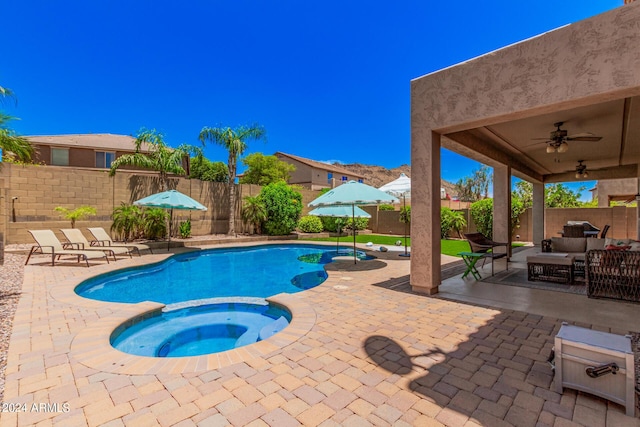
<point>371,353</point>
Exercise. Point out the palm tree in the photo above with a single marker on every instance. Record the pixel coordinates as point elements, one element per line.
<point>458,222</point>
<point>254,212</point>
<point>235,142</point>
<point>161,157</point>
<point>13,144</point>
<point>10,142</point>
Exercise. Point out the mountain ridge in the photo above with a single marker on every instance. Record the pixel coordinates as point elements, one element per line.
<point>377,176</point>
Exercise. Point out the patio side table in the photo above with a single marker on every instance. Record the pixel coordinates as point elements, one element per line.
<point>470,259</point>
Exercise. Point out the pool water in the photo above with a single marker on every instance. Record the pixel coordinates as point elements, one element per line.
<point>200,329</point>
<point>259,271</point>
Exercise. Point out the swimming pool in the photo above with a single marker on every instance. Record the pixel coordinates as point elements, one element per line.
<point>193,330</point>
<point>256,271</point>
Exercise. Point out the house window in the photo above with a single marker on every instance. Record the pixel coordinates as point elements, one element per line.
<point>360,181</point>
<point>329,177</point>
<point>344,178</point>
<point>104,159</point>
<point>60,156</point>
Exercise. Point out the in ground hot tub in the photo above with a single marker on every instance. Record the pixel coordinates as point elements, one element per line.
<point>197,328</point>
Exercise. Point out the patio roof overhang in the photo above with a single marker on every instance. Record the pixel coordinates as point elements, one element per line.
<point>586,75</point>
<point>490,108</point>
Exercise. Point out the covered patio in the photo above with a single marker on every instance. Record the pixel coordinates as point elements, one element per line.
<point>494,109</point>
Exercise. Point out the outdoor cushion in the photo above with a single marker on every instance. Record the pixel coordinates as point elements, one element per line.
<point>616,242</point>
<point>594,243</point>
<point>635,245</point>
<point>568,244</point>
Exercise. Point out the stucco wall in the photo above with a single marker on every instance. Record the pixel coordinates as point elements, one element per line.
<point>590,61</point>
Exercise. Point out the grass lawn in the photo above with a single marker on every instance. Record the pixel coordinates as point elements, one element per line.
<point>448,247</point>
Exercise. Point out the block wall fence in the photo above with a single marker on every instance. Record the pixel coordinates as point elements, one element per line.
<point>29,194</point>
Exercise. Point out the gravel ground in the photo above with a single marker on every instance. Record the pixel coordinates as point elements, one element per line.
<point>11,278</point>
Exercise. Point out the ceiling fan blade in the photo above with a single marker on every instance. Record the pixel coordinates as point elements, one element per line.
<point>576,135</point>
<point>584,138</point>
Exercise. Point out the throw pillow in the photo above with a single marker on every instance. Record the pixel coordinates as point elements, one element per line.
<point>617,248</point>
<point>616,242</point>
<point>635,245</point>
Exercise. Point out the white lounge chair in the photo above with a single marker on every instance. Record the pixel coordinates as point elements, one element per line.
<point>48,243</point>
<point>77,241</point>
<point>103,239</point>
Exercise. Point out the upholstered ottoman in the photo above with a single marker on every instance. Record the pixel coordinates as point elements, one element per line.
<point>550,267</point>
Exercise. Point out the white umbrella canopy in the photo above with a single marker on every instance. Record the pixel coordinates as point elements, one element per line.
<point>171,199</point>
<point>400,187</point>
<point>351,194</point>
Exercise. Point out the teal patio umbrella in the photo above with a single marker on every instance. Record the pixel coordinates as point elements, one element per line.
<point>171,199</point>
<point>342,211</point>
<point>351,194</point>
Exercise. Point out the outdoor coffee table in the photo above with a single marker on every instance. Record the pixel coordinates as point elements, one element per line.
<point>470,259</point>
<point>550,267</point>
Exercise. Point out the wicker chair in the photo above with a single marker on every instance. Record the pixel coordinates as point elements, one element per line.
<point>481,244</point>
<point>613,274</point>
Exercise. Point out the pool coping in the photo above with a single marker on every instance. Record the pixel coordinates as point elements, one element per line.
<point>92,347</point>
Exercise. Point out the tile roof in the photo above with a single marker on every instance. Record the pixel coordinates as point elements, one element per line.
<point>92,140</point>
<point>320,165</point>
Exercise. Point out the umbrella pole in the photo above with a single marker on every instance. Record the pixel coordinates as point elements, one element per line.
<point>170,222</point>
<point>404,204</point>
<point>353,218</point>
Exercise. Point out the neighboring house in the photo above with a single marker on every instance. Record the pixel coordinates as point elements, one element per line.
<point>84,150</point>
<point>317,175</point>
<point>614,190</point>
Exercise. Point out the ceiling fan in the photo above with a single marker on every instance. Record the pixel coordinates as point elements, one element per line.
<point>557,141</point>
<point>581,170</point>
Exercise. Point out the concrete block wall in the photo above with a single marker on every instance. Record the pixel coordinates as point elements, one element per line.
<point>39,189</point>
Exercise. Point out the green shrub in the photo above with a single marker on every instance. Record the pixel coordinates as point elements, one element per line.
<point>127,221</point>
<point>482,215</point>
<point>361,223</point>
<point>185,229</point>
<point>405,214</point>
<point>310,224</point>
<point>283,205</point>
<point>445,221</point>
<point>154,223</point>
<point>386,208</point>
<point>332,224</point>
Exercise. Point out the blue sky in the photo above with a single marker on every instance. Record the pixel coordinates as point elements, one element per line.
<point>329,80</point>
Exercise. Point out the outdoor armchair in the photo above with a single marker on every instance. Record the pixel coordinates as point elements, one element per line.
<point>481,244</point>
<point>102,238</point>
<point>48,243</point>
<point>77,240</point>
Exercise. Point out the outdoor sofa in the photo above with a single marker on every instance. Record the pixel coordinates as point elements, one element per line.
<point>611,266</point>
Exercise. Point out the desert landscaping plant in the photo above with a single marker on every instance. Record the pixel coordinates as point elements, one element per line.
<point>127,221</point>
<point>185,229</point>
<point>254,212</point>
<point>77,214</point>
<point>154,223</point>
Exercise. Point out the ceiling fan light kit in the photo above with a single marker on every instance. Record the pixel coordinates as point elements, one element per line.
<point>558,138</point>
<point>581,170</point>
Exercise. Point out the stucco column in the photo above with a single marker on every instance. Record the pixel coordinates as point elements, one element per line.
<point>425,210</point>
<point>502,205</point>
<point>537,213</point>
<point>638,207</point>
